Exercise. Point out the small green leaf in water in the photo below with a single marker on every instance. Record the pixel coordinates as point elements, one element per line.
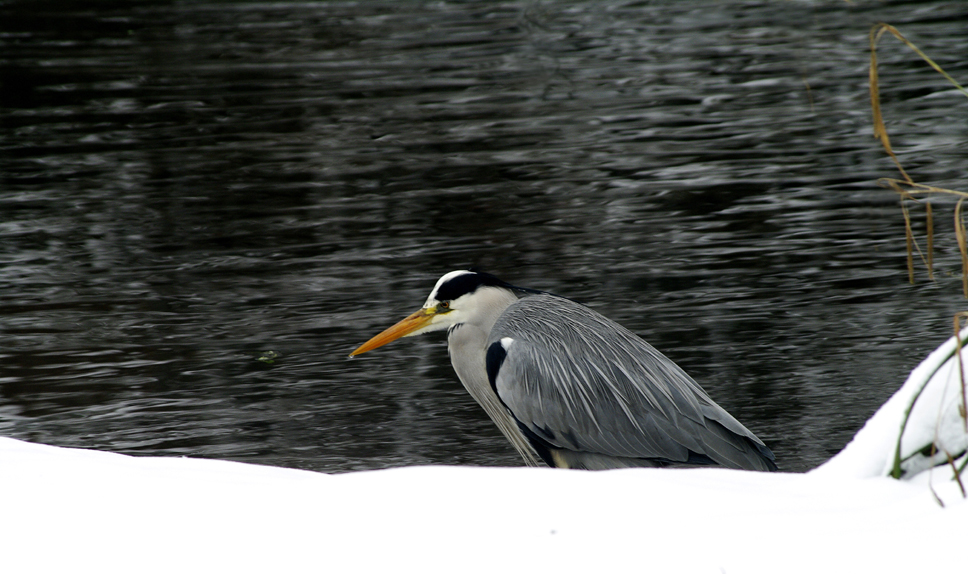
<point>268,357</point>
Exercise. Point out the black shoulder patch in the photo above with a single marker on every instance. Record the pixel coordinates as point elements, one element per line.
<point>467,283</point>
<point>493,361</point>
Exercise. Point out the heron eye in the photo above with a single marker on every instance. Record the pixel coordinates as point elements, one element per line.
<point>443,305</point>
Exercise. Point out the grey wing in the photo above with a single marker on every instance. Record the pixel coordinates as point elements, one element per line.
<point>578,382</point>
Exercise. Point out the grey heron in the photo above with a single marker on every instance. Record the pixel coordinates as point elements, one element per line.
<point>570,387</point>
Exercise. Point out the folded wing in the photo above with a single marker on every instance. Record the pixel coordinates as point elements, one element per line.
<point>589,390</point>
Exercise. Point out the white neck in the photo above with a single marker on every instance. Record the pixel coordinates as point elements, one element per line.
<point>467,343</point>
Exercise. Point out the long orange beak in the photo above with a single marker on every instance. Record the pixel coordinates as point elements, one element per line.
<point>401,329</point>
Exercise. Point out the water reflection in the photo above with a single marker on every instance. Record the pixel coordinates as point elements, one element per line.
<point>186,186</point>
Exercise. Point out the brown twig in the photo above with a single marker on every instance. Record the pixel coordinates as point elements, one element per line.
<point>906,187</point>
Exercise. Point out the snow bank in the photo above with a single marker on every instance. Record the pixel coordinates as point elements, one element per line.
<point>935,428</point>
<point>69,510</point>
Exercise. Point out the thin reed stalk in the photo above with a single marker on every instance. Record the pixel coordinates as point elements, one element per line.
<point>906,187</point>
<point>962,246</point>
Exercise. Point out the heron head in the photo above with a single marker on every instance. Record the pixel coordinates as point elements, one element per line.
<point>458,297</point>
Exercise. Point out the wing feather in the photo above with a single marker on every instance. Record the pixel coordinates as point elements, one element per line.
<point>583,383</point>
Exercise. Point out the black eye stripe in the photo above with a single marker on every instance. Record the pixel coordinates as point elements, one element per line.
<point>467,283</point>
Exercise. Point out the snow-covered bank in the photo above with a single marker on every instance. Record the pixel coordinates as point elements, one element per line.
<point>73,510</point>
<point>70,510</point>
<point>934,429</point>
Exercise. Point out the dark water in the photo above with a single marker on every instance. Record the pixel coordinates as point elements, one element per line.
<point>188,185</point>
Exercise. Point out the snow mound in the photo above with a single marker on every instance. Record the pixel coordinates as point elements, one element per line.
<point>928,416</point>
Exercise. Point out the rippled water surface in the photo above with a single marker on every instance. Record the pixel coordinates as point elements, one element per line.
<point>186,186</point>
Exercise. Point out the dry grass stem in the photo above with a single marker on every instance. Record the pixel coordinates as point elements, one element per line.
<point>912,245</point>
<point>963,411</point>
<point>880,131</point>
<point>935,495</point>
<point>906,188</point>
<point>957,473</point>
<point>929,223</point>
<point>962,246</point>
<point>909,238</point>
